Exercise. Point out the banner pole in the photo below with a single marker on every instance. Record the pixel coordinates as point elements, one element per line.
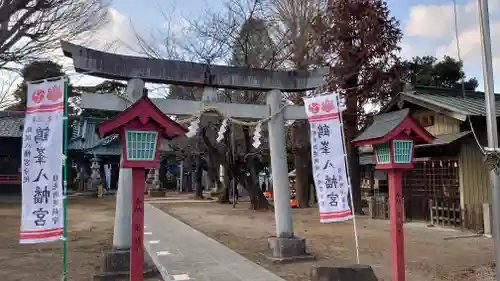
<point>348,174</point>
<point>65,179</point>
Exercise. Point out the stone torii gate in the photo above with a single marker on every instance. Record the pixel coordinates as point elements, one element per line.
<point>138,70</point>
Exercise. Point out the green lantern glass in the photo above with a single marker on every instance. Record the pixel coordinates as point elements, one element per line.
<point>140,145</point>
<point>383,153</point>
<point>402,151</point>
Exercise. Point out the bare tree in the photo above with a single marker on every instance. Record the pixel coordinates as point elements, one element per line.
<point>293,21</point>
<point>7,87</point>
<point>31,29</point>
<point>237,35</point>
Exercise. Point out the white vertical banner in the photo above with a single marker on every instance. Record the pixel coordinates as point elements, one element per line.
<point>329,168</point>
<point>107,175</point>
<point>42,160</point>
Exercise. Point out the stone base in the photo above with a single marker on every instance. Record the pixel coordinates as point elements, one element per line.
<point>358,272</point>
<point>117,266</point>
<point>285,250</point>
<point>157,193</point>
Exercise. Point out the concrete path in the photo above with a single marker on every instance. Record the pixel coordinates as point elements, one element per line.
<point>183,253</point>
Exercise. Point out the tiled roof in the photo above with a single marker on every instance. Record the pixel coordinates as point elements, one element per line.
<point>472,103</point>
<point>11,124</point>
<point>383,124</point>
<point>445,139</point>
<point>85,138</point>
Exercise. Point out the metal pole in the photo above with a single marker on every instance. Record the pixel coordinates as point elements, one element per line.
<point>233,156</point>
<point>491,122</point>
<point>65,180</point>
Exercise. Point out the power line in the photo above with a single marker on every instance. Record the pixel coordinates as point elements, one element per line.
<point>462,81</point>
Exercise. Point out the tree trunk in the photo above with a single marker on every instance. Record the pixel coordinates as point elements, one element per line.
<point>257,199</point>
<point>224,195</point>
<point>353,159</point>
<point>258,195</point>
<point>302,162</point>
<point>351,128</point>
<point>197,179</point>
<point>302,184</point>
<point>238,171</point>
<point>212,168</point>
<point>301,146</point>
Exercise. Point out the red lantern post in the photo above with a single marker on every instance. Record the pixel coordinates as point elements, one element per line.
<point>393,137</point>
<point>140,127</point>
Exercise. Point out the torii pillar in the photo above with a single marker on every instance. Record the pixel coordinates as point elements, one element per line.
<point>281,190</point>
<point>123,213</point>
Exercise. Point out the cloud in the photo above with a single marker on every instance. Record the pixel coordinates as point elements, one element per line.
<point>470,44</point>
<point>411,47</point>
<point>117,36</point>
<point>471,49</point>
<point>438,21</point>
<point>435,25</point>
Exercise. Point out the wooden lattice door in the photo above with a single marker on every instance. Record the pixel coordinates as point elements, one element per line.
<point>436,180</point>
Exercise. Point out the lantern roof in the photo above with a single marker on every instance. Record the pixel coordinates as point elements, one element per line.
<point>387,126</point>
<point>143,110</point>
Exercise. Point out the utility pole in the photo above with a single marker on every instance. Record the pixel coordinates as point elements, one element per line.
<point>491,123</point>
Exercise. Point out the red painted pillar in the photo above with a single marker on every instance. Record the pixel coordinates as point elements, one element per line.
<point>137,227</point>
<point>396,217</point>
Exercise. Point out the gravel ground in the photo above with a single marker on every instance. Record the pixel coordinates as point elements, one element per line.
<point>430,254</point>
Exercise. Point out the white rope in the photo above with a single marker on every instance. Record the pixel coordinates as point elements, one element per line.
<point>214,109</point>
<point>219,112</point>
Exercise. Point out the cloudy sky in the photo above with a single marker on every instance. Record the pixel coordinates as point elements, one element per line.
<point>428,26</point>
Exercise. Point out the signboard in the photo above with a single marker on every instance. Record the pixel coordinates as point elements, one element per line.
<point>329,168</point>
<point>42,164</point>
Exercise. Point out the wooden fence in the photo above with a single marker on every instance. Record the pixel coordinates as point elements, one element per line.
<point>445,213</point>
<point>378,207</point>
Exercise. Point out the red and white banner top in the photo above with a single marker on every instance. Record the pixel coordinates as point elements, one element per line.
<point>322,108</point>
<point>45,97</point>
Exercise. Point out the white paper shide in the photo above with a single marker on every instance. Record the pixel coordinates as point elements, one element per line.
<point>329,169</point>
<point>42,159</point>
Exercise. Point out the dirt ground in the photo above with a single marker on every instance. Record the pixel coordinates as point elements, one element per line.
<point>90,232</point>
<point>430,253</point>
